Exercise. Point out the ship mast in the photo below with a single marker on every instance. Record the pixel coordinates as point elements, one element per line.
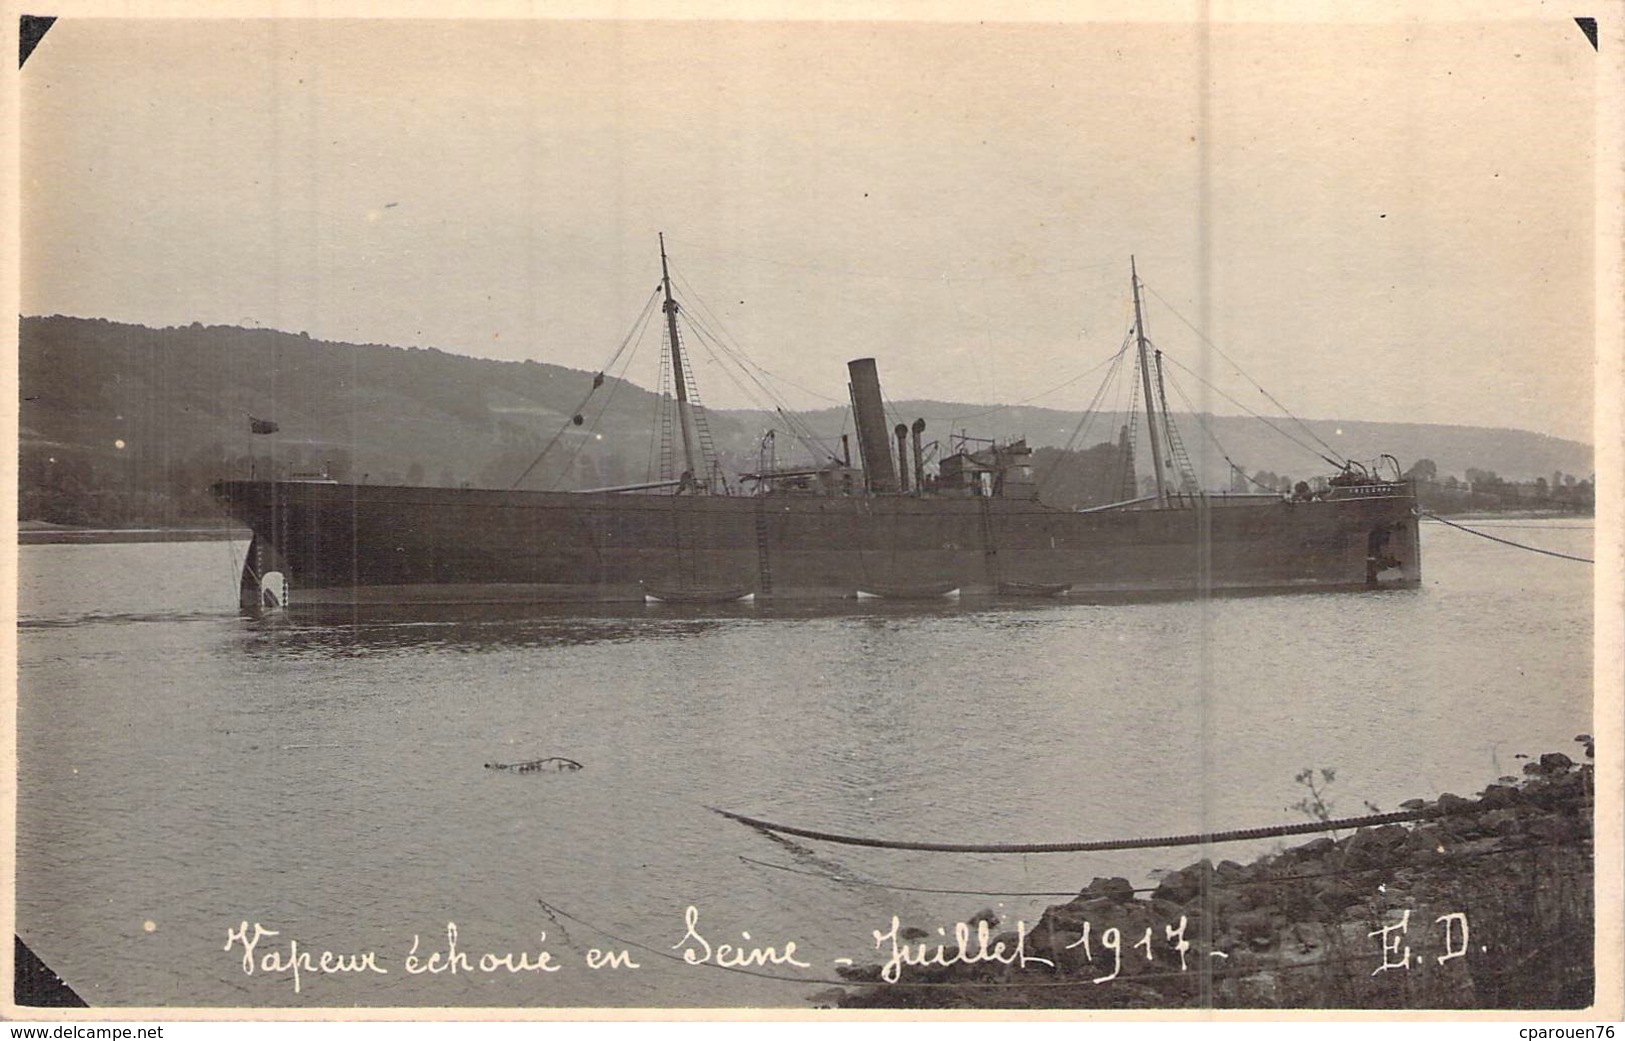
<point>1145,378</point>
<point>685,416</point>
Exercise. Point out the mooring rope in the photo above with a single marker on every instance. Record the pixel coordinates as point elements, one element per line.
<point>1215,883</point>
<point>1101,846</point>
<point>1507,542</point>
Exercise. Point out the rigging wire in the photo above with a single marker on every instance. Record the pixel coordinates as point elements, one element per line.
<point>1127,478</point>
<point>1086,420</point>
<point>1013,276</point>
<point>741,359</point>
<point>660,432</point>
<point>598,381</point>
<point>620,381</point>
<point>1262,419</point>
<point>744,358</point>
<point>1041,394</point>
<point>798,427</point>
<point>1234,468</point>
<point>1241,372</point>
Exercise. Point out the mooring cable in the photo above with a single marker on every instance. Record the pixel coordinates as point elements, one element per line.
<point>1507,542</point>
<point>1100,846</point>
<point>1215,882</point>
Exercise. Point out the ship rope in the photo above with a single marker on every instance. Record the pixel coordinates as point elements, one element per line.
<point>774,406</point>
<point>1242,373</point>
<point>712,476</point>
<point>592,427</point>
<point>1090,411</point>
<point>574,418</point>
<point>718,339</point>
<point>661,435</point>
<point>1188,485</point>
<point>1507,542</point>
<point>1234,466</point>
<point>1339,463</point>
<point>955,420</point>
<point>1106,845</point>
<point>1213,881</point>
<point>1128,480</point>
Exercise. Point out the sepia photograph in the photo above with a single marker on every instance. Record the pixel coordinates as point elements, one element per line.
<point>1069,509</point>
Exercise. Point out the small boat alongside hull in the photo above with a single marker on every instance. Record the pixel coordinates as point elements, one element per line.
<point>930,591</point>
<point>698,596</point>
<point>1049,589</point>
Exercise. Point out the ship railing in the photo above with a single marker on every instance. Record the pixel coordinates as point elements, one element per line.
<point>1119,505</point>
<point>646,486</point>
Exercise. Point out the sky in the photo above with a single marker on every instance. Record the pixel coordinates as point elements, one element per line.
<point>1375,221</point>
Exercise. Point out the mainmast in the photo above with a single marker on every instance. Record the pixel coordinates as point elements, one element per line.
<point>685,416</point>
<point>1145,378</point>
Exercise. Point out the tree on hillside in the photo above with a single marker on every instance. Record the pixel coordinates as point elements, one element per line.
<point>1426,471</point>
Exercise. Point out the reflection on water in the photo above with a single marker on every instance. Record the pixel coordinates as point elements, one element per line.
<point>325,775</point>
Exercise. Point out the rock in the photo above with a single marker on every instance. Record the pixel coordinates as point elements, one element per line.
<point>1555,762</point>
<point>1254,929</point>
<point>1318,847</point>
<point>1450,802</point>
<point>1428,837</point>
<point>913,932</point>
<point>1557,830</point>
<point>1119,890</point>
<point>1178,887</point>
<point>1499,795</point>
<point>984,915</point>
<point>1335,894</point>
<point>830,997</point>
<point>1413,804</point>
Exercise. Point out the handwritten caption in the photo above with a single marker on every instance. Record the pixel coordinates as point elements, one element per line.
<point>267,952</point>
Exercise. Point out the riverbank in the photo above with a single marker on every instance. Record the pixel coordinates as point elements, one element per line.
<point>1485,903</point>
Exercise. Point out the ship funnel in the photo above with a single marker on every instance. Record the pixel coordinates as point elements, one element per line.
<point>901,432</point>
<point>919,456</point>
<point>869,412</point>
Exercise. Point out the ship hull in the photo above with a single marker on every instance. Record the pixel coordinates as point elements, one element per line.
<point>339,544</point>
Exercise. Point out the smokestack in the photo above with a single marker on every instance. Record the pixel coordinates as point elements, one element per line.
<point>902,456</point>
<point>869,412</point>
<point>919,456</point>
<point>846,452</point>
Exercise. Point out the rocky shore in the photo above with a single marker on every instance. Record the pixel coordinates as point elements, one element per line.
<point>1485,903</point>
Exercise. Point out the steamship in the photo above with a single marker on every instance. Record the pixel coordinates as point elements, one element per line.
<point>887,524</point>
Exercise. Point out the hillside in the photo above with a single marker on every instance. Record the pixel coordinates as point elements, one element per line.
<point>121,423</point>
<point>1514,454</point>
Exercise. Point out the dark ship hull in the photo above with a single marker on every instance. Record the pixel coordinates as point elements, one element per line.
<point>972,524</point>
<point>322,543</point>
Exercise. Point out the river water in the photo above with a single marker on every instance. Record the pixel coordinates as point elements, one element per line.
<point>184,770</point>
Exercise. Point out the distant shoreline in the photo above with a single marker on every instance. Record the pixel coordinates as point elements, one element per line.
<point>34,533</point>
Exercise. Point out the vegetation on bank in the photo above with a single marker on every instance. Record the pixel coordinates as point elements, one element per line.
<point>1487,903</point>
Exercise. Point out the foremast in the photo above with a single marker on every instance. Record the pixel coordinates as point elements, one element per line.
<point>1145,378</point>
<point>685,412</point>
